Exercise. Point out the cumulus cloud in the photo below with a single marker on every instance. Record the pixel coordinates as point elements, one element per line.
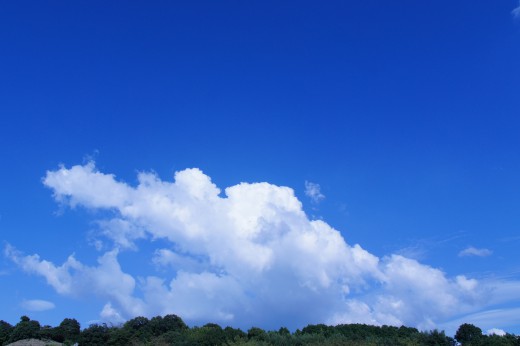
<point>250,256</point>
<point>409,290</point>
<point>496,331</point>
<point>472,251</point>
<point>313,191</point>
<point>37,305</point>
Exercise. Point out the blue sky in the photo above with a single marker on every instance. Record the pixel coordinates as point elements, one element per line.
<point>395,126</point>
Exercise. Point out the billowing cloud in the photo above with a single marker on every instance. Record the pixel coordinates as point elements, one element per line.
<point>37,305</point>
<point>249,256</point>
<point>313,191</point>
<point>472,251</point>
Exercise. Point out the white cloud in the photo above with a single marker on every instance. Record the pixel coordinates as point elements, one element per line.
<point>413,294</point>
<point>110,314</point>
<point>313,191</point>
<point>496,331</point>
<point>516,11</point>
<point>122,232</point>
<point>472,251</point>
<point>75,279</point>
<point>251,257</point>
<point>37,305</point>
<point>58,277</point>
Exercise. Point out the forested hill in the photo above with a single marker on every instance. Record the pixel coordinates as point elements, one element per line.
<point>171,330</point>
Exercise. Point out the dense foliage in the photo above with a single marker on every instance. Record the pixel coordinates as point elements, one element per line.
<point>171,330</point>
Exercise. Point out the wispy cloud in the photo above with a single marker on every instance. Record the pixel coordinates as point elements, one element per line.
<point>486,319</point>
<point>4,272</point>
<point>420,248</point>
<point>37,305</point>
<point>516,11</point>
<point>313,191</point>
<point>472,251</point>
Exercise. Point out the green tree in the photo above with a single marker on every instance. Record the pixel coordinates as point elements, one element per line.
<point>284,331</point>
<point>137,328</point>
<point>25,329</point>
<point>136,323</point>
<point>468,334</point>
<point>232,334</point>
<point>160,325</point>
<point>5,331</point>
<point>321,329</point>
<point>208,335</point>
<point>95,335</point>
<point>70,329</point>
<point>50,333</point>
<point>436,338</point>
<point>119,336</point>
<point>255,333</point>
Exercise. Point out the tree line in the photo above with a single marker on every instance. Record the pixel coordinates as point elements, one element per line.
<point>171,330</point>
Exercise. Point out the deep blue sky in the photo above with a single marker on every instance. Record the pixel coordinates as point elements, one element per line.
<point>405,113</point>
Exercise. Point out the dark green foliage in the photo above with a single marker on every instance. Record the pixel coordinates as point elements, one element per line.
<point>137,328</point>
<point>119,336</point>
<point>436,338</point>
<point>495,340</point>
<point>172,338</point>
<point>234,334</point>
<point>208,335</point>
<point>50,333</point>
<point>468,334</point>
<point>171,330</point>
<point>5,331</point>
<point>69,329</point>
<point>284,331</point>
<point>321,329</point>
<point>257,334</point>
<point>160,325</point>
<point>362,334</point>
<point>136,324</point>
<point>25,329</point>
<point>95,335</point>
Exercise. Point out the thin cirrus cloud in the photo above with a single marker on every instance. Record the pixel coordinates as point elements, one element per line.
<point>487,320</point>
<point>37,305</point>
<point>250,256</point>
<point>473,251</point>
<point>516,11</point>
